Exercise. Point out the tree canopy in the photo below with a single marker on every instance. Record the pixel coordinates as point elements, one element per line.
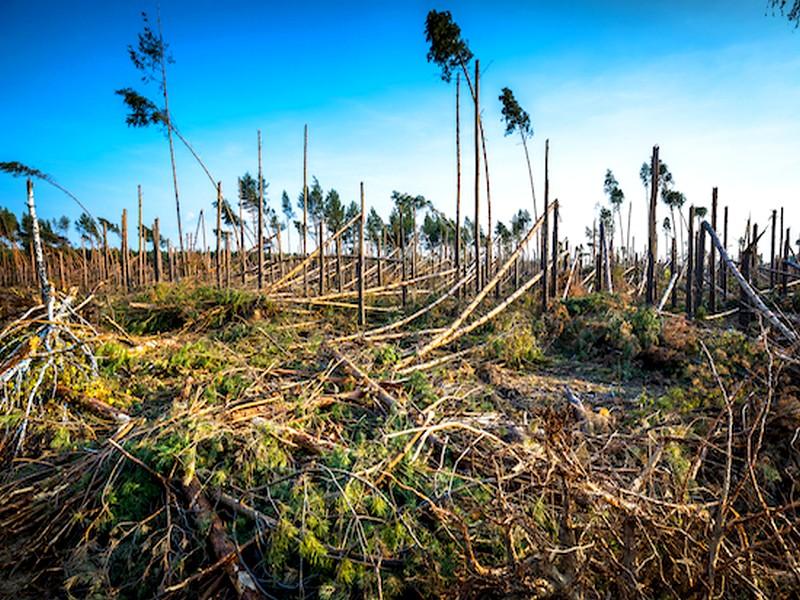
<point>612,189</point>
<point>515,118</point>
<point>447,49</point>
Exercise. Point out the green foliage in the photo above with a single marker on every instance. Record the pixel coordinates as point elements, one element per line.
<point>112,356</point>
<point>141,111</point>
<point>612,189</point>
<point>386,355</point>
<point>788,8</point>
<point>446,47</point>
<point>419,387</point>
<point>517,348</point>
<point>134,497</point>
<point>600,326</point>
<point>516,119</point>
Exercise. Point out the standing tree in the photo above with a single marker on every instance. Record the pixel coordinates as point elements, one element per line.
<point>517,120</point>
<point>665,183</point>
<point>615,197</point>
<point>150,56</point>
<point>674,199</point>
<point>87,228</point>
<point>450,52</point>
<point>8,227</point>
<point>288,212</point>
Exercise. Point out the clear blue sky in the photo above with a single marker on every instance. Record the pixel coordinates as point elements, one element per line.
<point>715,83</point>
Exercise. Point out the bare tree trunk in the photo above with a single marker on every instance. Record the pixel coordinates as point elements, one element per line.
<point>772,249</point>
<point>723,266</point>
<point>674,271</point>
<point>545,224</point>
<point>169,137</point>
<point>140,232</point>
<point>530,174</point>
<point>712,259</point>
<point>749,292</point>
<point>362,315</point>
<point>489,233</point>
<point>305,207</point>
<point>124,251</point>
<point>242,253</point>
<point>554,277</point>
<point>280,247</point>
<point>458,182</point>
<point>45,290</point>
<point>628,237</point>
<point>321,258</point>
<point>260,235</point>
<point>105,252</point>
<point>476,225</point>
<point>652,249</point>
<point>219,234</point>
<point>156,251</point>
<point>690,267</point>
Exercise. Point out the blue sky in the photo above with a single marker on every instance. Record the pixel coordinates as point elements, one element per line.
<point>716,84</point>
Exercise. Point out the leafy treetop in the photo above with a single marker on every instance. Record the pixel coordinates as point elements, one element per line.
<point>515,117</point>
<point>447,49</point>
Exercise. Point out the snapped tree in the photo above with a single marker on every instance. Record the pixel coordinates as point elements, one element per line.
<point>519,121</point>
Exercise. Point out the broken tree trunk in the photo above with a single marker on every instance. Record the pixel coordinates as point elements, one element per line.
<point>221,544</point>
<point>45,290</point>
<point>752,295</point>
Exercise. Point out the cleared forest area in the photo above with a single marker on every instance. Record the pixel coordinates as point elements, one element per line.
<point>410,408</point>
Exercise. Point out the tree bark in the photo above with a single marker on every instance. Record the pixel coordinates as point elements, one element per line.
<point>751,294</point>
<point>45,290</point>
<point>476,225</point>
<point>305,206</point>
<point>362,315</point>
<point>652,249</point>
<point>260,235</point>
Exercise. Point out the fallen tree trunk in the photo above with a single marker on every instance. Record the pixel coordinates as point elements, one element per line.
<point>443,337</point>
<point>751,294</point>
<point>221,544</point>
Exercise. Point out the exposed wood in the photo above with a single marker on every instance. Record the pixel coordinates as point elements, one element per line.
<point>751,294</point>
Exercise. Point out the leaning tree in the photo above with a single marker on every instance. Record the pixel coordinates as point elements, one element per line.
<point>151,56</point>
<point>450,52</point>
<point>519,121</point>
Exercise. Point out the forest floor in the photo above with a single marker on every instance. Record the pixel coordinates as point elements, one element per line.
<point>233,446</point>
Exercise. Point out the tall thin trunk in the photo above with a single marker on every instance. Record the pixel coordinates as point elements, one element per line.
<point>44,285</point>
<point>530,175</point>
<point>362,315</point>
<point>169,137</point>
<point>458,178</point>
<point>260,235</point>
<point>242,253</point>
<point>305,207</point>
<point>476,225</point>
<point>219,235</point>
<point>652,249</point>
<point>156,251</point>
<point>545,224</point>
<point>628,236</point>
<point>140,231</point>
